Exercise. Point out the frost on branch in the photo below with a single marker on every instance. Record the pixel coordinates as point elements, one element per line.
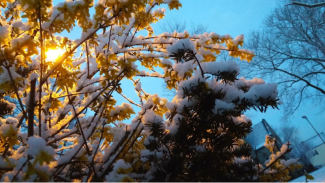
<point>60,122</point>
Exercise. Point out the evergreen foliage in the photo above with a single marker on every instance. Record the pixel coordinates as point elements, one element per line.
<point>207,144</point>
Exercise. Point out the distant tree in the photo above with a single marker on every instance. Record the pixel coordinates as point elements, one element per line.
<point>173,25</point>
<point>302,151</point>
<point>290,51</point>
<point>180,25</point>
<point>289,133</point>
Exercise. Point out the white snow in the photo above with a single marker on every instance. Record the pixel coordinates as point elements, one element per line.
<point>182,68</point>
<point>115,176</point>
<point>221,106</point>
<point>4,128</point>
<point>37,144</point>
<point>138,86</point>
<point>151,117</point>
<point>167,62</point>
<point>33,76</point>
<point>242,160</point>
<point>217,67</point>
<point>175,123</point>
<point>4,77</point>
<point>185,44</point>
<point>12,121</point>
<point>241,119</point>
<point>4,32</point>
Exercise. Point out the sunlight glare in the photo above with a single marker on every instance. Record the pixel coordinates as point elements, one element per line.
<point>52,55</point>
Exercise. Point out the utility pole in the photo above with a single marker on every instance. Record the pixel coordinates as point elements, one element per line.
<point>305,117</point>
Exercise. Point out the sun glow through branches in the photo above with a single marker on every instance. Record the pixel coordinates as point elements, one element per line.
<point>52,55</point>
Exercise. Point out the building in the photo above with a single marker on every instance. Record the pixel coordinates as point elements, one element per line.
<point>316,148</point>
<point>257,139</point>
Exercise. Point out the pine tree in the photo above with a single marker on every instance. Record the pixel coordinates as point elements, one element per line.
<point>202,138</point>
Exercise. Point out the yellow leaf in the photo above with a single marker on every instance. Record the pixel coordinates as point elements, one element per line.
<point>83,157</point>
<point>174,4</point>
<point>30,171</point>
<point>10,137</point>
<point>127,179</point>
<point>124,171</point>
<point>43,157</point>
<point>309,177</point>
<point>44,177</point>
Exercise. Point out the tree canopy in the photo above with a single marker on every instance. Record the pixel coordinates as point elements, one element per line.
<point>290,51</point>
<point>59,121</point>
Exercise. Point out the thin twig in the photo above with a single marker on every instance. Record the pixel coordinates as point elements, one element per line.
<point>287,151</point>
<point>87,57</point>
<point>80,127</point>
<point>19,100</point>
<point>41,75</point>
<point>132,102</point>
<point>94,98</point>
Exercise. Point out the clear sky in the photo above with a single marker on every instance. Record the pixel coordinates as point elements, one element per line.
<point>232,17</point>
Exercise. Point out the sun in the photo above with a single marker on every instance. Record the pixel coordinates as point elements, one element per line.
<point>52,55</point>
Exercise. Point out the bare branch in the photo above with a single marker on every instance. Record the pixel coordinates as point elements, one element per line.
<point>306,5</point>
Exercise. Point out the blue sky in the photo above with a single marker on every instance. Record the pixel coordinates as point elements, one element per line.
<point>232,17</point>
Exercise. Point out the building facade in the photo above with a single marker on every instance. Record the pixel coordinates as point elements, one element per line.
<point>316,150</point>
<point>257,139</point>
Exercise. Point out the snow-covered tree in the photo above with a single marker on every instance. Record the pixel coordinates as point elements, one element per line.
<point>202,140</point>
<point>66,125</point>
